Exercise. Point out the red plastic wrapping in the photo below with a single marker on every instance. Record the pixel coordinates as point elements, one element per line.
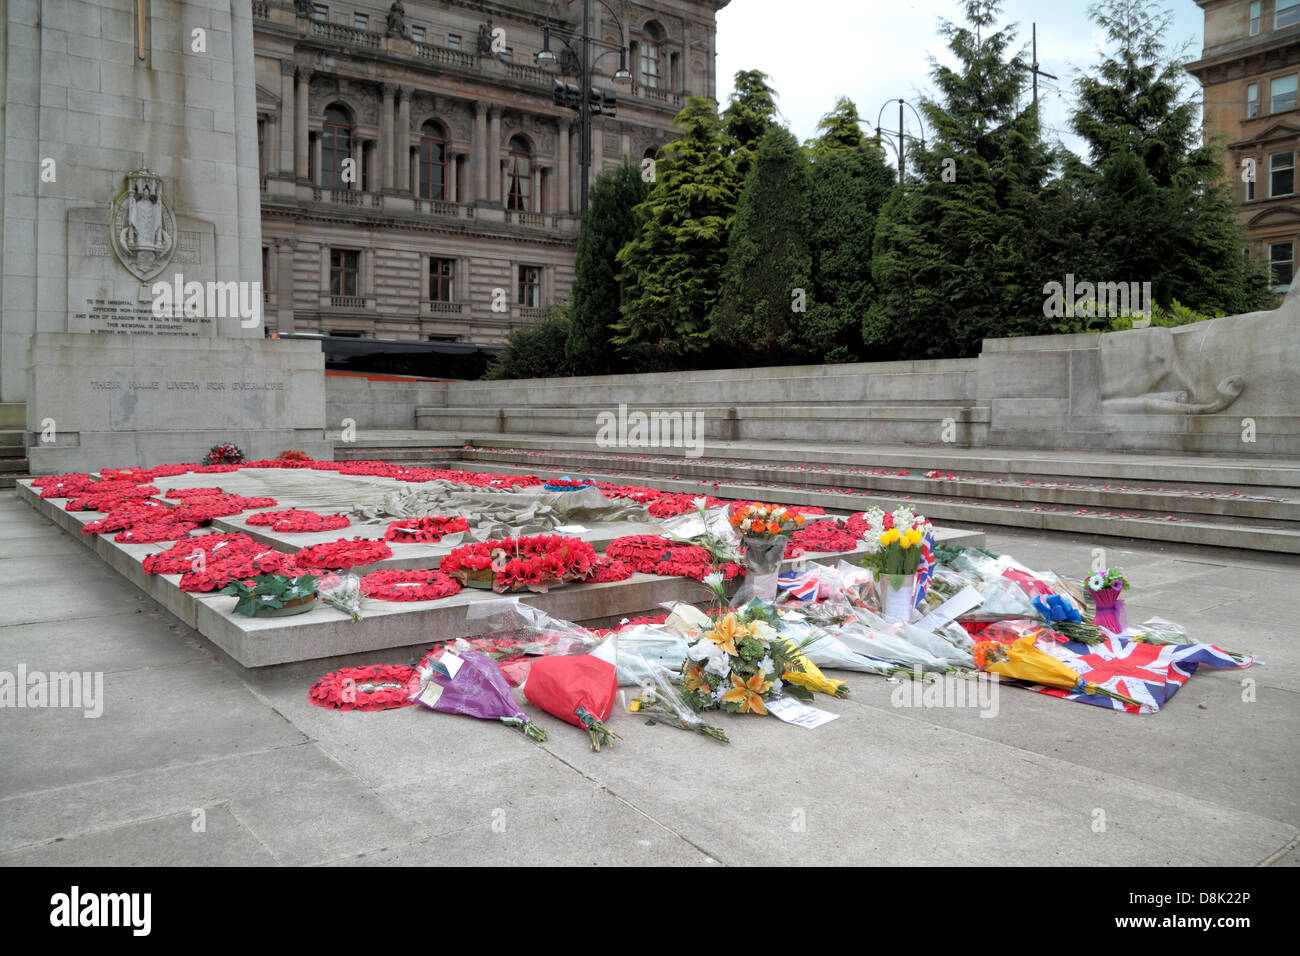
<point>563,684</point>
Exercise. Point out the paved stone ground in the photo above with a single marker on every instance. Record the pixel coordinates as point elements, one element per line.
<point>1213,779</point>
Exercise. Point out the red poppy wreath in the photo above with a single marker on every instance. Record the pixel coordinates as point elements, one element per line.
<point>343,553</point>
<point>429,529</point>
<point>534,563</point>
<point>408,585</point>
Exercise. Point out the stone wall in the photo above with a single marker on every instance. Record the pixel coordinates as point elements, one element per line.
<point>1229,386</point>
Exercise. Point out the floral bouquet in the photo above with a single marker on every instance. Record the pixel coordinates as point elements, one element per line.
<point>471,683</point>
<point>227,454</point>
<point>765,532</point>
<point>577,688</point>
<point>1021,660</point>
<point>899,552</point>
<point>342,591</point>
<point>513,564</point>
<point>738,664</point>
<point>661,701</point>
<point>1106,588</point>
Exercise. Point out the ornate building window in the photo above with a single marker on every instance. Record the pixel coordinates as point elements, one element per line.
<point>1283,90</point>
<point>1281,174</point>
<point>442,280</point>
<point>1252,100</point>
<point>433,162</point>
<point>519,176</point>
<point>320,12</point>
<point>1281,260</point>
<point>360,21</point>
<point>1286,13</point>
<point>336,146</point>
<point>530,286</point>
<point>344,272</point>
<point>651,53</point>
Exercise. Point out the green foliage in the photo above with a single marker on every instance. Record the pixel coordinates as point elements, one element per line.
<point>750,112</point>
<point>955,253</point>
<point>270,592</point>
<point>849,184</point>
<point>536,350</point>
<point>840,129</point>
<point>671,272</point>
<point>768,258</point>
<point>1160,210</point>
<point>609,225</point>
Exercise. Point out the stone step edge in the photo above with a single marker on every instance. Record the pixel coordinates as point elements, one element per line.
<point>1131,500</point>
<point>941,512</point>
<point>1280,473</point>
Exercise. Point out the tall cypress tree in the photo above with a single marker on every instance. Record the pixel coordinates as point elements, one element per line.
<point>848,184</point>
<point>954,252</point>
<point>766,283</point>
<point>609,225</point>
<point>750,112</point>
<point>671,272</point>
<point>1161,211</point>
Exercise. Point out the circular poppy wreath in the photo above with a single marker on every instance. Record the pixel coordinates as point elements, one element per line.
<point>298,522</point>
<point>652,554</point>
<point>607,570</point>
<point>166,471</point>
<point>237,567</point>
<point>518,563</point>
<point>193,492</point>
<point>378,687</point>
<point>822,536</point>
<point>133,475</point>
<point>129,515</point>
<point>343,553</point>
<point>428,529</point>
<point>179,558</point>
<point>97,498</point>
<point>408,585</point>
<point>152,533</point>
<point>207,507</point>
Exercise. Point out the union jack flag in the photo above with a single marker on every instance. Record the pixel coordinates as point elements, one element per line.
<point>1149,673</point>
<point>925,570</point>
<point>804,585</point>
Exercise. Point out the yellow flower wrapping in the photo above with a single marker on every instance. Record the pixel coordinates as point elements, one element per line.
<point>811,676</point>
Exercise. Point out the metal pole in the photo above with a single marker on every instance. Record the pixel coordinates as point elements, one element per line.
<point>901,145</point>
<point>585,107</point>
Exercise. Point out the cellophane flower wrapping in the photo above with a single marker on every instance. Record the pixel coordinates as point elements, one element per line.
<point>661,700</point>
<point>577,688</point>
<point>342,591</point>
<point>470,683</point>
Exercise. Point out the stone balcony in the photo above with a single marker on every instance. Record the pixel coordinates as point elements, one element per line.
<point>281,16</point>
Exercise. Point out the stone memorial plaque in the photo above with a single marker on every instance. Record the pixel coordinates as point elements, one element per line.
<point>112,277</point>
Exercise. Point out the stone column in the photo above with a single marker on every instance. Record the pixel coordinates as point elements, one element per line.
<point>562,156</point>
<point>385,145</point>
<point>300,124</point>
<point>318,160</point>
<point>286,123</point>
<point>449,177</point>
<point>597,153</point>
<point>284,284</point>
<point>625,145</point>
<point>494,153</point>
<point>271,145</point>
<point>402,150</point>
<point>480,154</point>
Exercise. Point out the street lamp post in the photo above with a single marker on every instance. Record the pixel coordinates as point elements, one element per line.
<point>902,133</point>
<point>583,100</point>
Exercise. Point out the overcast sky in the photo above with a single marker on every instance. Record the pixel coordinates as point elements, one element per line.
<point>874,51</point>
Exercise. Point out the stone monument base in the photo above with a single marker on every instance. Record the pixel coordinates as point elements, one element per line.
<point>117,400</point>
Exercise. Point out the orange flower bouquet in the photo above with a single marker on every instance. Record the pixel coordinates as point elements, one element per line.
<point>765,531</point>
<point>1022,660</point>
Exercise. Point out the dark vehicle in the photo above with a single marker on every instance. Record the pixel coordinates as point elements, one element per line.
<point>455,360</point>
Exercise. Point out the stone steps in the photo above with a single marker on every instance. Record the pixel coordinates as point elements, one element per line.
<point>1215,531</point>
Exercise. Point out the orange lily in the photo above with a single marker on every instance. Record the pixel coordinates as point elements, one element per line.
<point>725,632</point>
<point>749,694</point>
<point>695,679</point>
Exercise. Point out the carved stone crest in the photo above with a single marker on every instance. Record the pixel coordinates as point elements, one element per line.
<point>142,230</point>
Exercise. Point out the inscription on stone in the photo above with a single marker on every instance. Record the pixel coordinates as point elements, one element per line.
<point>120,315</point>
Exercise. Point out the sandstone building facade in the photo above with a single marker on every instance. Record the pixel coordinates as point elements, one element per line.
<point>1249,69</point>
<point>418,180</point>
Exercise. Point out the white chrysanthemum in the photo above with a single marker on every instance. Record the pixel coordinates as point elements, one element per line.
<point>777,686</point>
<point>767,665</point>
